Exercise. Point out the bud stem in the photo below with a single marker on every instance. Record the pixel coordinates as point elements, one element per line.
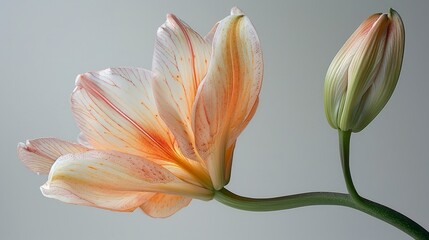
<point>344,140</point>
<point>351,200</point>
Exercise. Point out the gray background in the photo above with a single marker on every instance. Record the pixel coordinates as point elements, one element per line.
<point>287,148</point>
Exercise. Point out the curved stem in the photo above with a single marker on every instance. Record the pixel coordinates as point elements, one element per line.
<point>377,210</point>
<point>374,209</point>
<point>344,140</point>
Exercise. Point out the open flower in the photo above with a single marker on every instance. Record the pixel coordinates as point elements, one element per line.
<point>156,139</point>
<point>364,73</point>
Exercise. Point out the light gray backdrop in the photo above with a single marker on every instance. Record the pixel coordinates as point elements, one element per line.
<point>287,148</point>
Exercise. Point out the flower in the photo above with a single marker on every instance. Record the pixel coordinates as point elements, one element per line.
<point>364,73</point>
<point>156,139</point>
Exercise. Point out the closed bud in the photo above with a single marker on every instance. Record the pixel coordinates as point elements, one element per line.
<point>364,73</point>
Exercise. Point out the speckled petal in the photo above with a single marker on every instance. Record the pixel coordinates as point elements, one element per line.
<point>100,178</point>
<point>180,62</point>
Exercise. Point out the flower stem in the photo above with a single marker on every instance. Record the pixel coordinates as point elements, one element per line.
<point>374,209</point>
<point>377,210</point>
<point>351,200</point>
<point>344,140</point>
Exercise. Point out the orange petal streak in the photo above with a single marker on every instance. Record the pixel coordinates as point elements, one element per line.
<point>115,110</point>
<point>227,97</point>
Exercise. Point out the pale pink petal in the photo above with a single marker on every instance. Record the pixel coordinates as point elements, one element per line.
<point>337,69</point>
<point>209,37</point>
<point>115,110</point>
<point>39,154</point>
<point>121,201</point>
<point>228,95</point>
<point>113,180</point>
<point>180,62</point>
<point>364,67</point>
<point>383,86</point>
<point>162,205</point>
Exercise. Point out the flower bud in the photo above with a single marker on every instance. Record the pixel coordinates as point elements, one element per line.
<point>364,73</point>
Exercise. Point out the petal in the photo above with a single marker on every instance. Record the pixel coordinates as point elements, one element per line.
<point>228,163</point>
<point>115,110</point>
<point>228,95</point>
<point>236,11</point>
<point>209,37</point>
<point>162,205</point>
<point>383,86</point>
<point>113,180</point>
<point>121,201</point>
<point>230,150</point>
<point>81,139</point>
<point>180,62</point>
<point>39,154</point>
<point>368,56</point>
<point>336,80</point>
<point>363,70</point>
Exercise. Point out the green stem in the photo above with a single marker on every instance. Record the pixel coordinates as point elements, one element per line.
<point>344,140</point>
<point>377,210</point>
<point>374,209</point>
